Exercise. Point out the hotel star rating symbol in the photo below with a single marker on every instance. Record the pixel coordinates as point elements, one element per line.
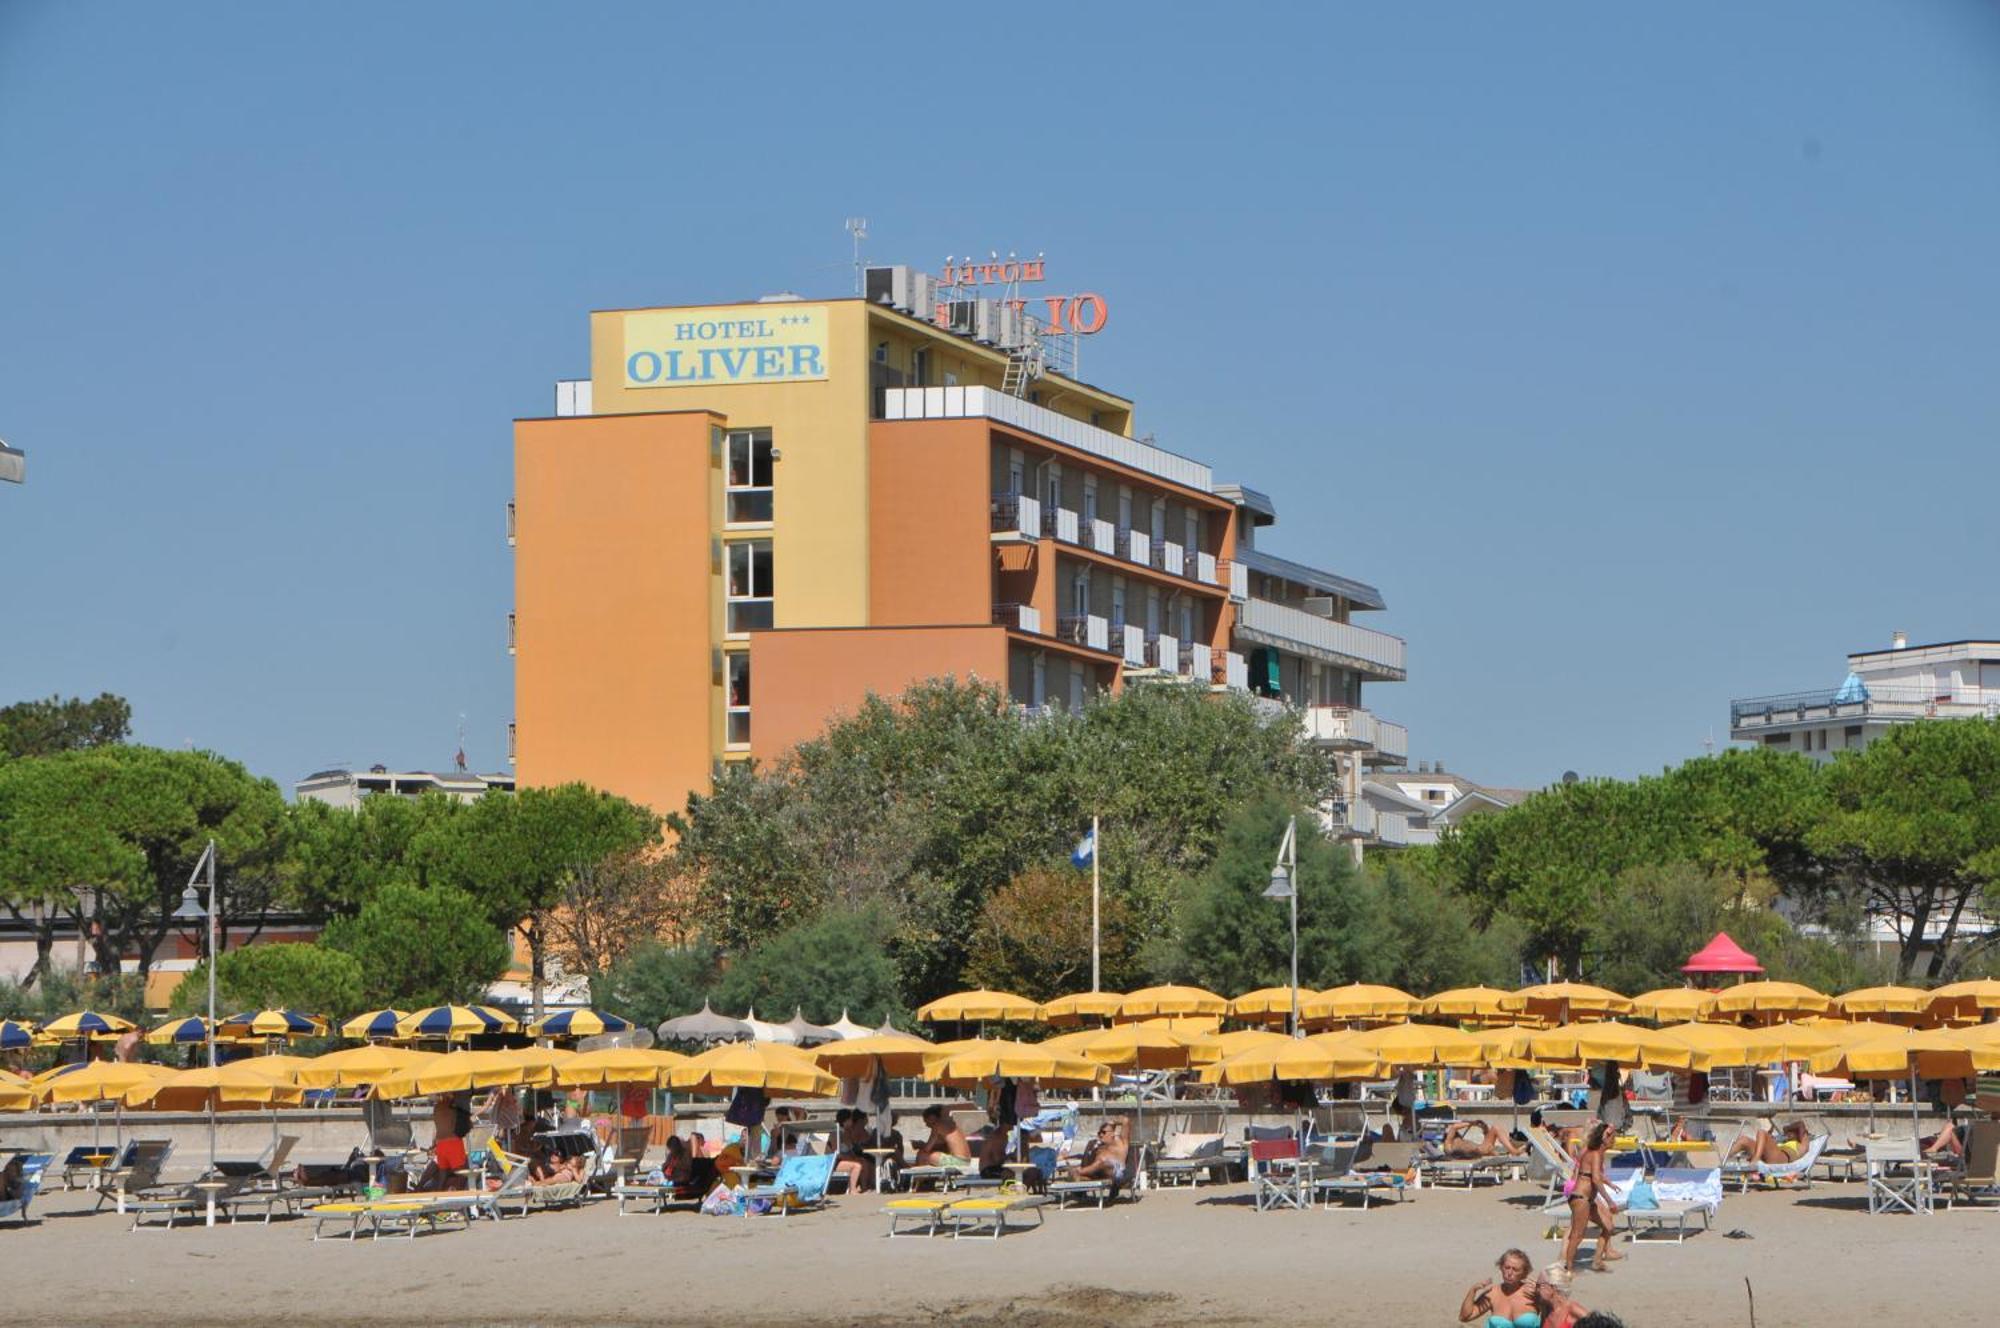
<point>787,320</point>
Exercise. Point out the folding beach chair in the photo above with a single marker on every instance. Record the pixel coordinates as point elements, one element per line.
<point>1274,1174</point>
<point>1974,1181</point>
<point>1898,1176</point>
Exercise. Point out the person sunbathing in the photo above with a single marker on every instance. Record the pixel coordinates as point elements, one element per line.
<point>548,1169</point>
<point>1944,1144</point>
<point>947,1146</point>
<point>1771,1146</point>
<point>1104,1157</point>
<point>1459,1145</point>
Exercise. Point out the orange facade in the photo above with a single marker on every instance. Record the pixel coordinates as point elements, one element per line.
<point>616,600</point>
<point>808,677</point>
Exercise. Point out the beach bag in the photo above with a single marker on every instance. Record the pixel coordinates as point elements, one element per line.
<point>721,1202</point>
<point>1642,1196</point>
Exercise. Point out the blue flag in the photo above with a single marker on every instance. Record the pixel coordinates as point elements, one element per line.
<point>1086,849</point>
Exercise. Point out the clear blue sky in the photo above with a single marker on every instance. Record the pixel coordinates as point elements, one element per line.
<point>1643,359</point>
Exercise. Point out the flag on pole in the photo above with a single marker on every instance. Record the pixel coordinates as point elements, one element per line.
<point>1085,851</point>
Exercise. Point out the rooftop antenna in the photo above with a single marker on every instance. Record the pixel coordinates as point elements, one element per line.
<point>1708,743</point>
<point>459,759</point>
<point>858,228</point>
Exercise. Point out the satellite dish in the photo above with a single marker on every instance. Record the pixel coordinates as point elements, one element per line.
<point>1570,777</point>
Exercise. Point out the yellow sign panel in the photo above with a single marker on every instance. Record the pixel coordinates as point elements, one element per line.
<point>737,343</point>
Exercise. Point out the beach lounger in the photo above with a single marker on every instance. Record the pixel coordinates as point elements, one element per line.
<point>1385,1175</point>
<point>1899,1177</point>
<point>407,1213</point>
<point>34,1166</point>
<point>970,1216</point>
<point>800,1183</point>
<point>140,1174</point>
<point>661,1197</point>
<point>1797,1172</point>
<point>90,1163</point>
<point>264,1166</point>
<point>1103,1191</point>
<point>918,1211</point>
<point>1682,1194</point>
<point>192,1201</point>
<point>1331,1176</point>
<point>1189,1157</point>
<point>288,1199</point>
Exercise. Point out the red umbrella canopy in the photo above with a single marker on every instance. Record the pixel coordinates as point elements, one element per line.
<point>1722,955</point>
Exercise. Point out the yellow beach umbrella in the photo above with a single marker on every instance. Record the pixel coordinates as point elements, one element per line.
<point>16,1093</point>
<point>98,1081</point>
<point>455,1022</point>
<point>1607,1040</point>
<point>1877,1002</point>
<point>1504,1049</point>
<point>1271,1003</point>
<point>978,1007</point>
<point>1296,1060</point>
<point>897,1054</point>
<point>1413,1045</point>
<point>1897,1053</point>
<point>1771,998</point>
<point>1976,999</point>
<point>239,1085</point>
<point>778,1070</point>
<point>1171,1000</point>
<point>463,1072</point>
<point>978,1059</point>
<point>1243,1039</point>
<point>619,1066</point>
<point>1566,1001</point>
<point>1359,1001</point>
<point>1473,1004</point>
<point>538,1058</point>
<point>1672,1005</point>
<point>374,1025</point>
<point>1724,1046</point>
<point>1983,1041</point>
<point>1140,1046</point>
<point>1064,1011</point>
<point>360,1067</point>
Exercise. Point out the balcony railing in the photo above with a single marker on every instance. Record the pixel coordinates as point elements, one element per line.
<point>1138,547</point>
<point>1133,640</point>
<point>510,525</point>
<point>1239,580</point>
<point>1021,617</point>
<point>1392,742</point>
<point>958,403</point>
<point>1353,820</point>
<point>1017,516</point>
<point>1166,654</point>
<point>1087,630</point>
<point>1167,557</point>
<point>1195,661</point>
<point>1231,670</point>
<point>1887,700</point>
<point>1345,727</point>
<point>1204,569</point>
<point>1060,523</point>
<point>1104,537</point>
<point>1288,626</point>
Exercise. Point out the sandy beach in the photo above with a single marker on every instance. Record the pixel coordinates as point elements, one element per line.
<point>1179,1255</point>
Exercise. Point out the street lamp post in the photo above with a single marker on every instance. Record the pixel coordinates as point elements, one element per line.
<point>1284,885</point>
<point>192,911</point>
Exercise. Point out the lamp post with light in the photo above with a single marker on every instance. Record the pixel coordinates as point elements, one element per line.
<point>1284,885</point>
<point>192,911</point>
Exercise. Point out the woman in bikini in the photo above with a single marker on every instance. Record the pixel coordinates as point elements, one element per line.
<point>1588,1201</point>
<point>1517,1300</point>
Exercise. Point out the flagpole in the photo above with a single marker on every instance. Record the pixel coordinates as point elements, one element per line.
<point>1096,857</point>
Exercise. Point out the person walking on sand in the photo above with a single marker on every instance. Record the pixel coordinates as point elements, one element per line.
<point>1589,1202</point>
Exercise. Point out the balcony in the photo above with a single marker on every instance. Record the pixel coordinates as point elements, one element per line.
<point>1392,744</point>
<point>1373,652</point>
<point>1085,630</point>
<point>1062,524</point>
<point>1020,617</point>
<point>1883,701</point>
<point>1167,557</point>
<point>1352,820</point>
<point>1195,661</point>
<point>1132,638</point>
<point>959,403</point>
<point>1016,516</point>
<point>1103,537</point>
<point>1239,580</point>
<point>510,525</point>
<point>1138,547</point>
<point>1232,671</point>
<point>1205,569</point>
<point>1165,654</point>
<point>1343,728</point>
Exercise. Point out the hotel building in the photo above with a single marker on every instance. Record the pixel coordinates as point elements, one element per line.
<point>749,517</point>
<point>1883,688</point>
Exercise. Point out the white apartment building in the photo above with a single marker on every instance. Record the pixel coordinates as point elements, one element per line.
<point>346,788</point>
<point>1413,806</point>
<point>1883,688</point>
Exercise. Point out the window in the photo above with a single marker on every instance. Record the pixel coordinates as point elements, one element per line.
<point>1075,690</point>
<point>1851,737</point>
<point>1152,612</point>
<point>1079,593</point>
<point>1039,696</point>
<point>881,352</point>
<point>1186,632</point>
<point>749,585</point>
<point>1124,508</point>
<point>920,368</point>
<point>747,494</point>
<point>1017,472</point>
<point>1051,491</point>
<point>1117,604</point>
<point>1193,527</point>
<point>1159,522</point>
<point>737,733</point>
<point>1089,500</point>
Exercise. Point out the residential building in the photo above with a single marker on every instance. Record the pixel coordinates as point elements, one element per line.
<point>1883,688</point>
<point>346,788</point>
<point>1413,806</point>
<point>752,516</point>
